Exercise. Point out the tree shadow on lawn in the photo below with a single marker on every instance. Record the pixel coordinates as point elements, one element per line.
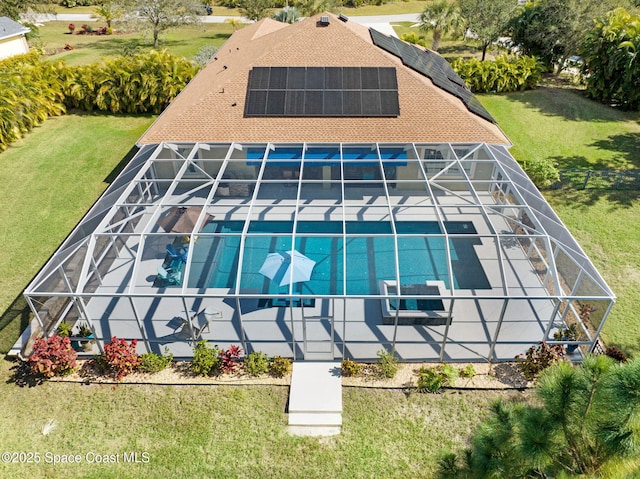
<point>627,144</point>
<point>576,198</point>
<point>123,46</point>
<point>569,103</point>
<point>580,161</point>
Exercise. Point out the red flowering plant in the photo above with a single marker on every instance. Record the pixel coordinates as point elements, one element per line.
<point>121,357</point>
<point>52,356</point>
<point>72,27</point>
<point>230,358</point>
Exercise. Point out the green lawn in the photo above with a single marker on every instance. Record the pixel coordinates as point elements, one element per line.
<point>184,41</point>
<point>229,431</point>
<point>50,179</point>
<point>575,132</point>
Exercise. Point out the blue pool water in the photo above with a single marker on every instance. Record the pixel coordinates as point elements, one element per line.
<point>369,258</point>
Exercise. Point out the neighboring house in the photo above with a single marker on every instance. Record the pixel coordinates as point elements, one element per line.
<point>12,38</point>
<point>321,190</point>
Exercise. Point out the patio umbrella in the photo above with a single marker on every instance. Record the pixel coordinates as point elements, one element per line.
<point>180,219</point>
<point>287,267</point>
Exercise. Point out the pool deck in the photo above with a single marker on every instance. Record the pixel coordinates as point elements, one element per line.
<point>358,329</point>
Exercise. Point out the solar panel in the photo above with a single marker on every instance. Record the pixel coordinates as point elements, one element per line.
<point>431,65</point>
<point>369,78</point>
<point>322,91</point>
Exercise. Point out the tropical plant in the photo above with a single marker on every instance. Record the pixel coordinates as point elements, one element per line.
<point>229,358</point>
<point>351,368</point>
<point>52,356</point>
<point>486,20</point>
<point>414,39</point>
<point>433,379</point>
<point>468,371</point>
<point>554,30</point>
<point>582,423</point>
<point>206,360</point>
<point>121,357</point>
<point>388,365</point>
<point>109,11</point>
<point>204,55</point>
<point>255,9</point>
<point>280,366</point>
<point>64,329</point>
<point>234,22</point>
<point>152,363</point>
<point>287,15</point>
<point>31,92</point>
<point>504,74</point>
<point>540,357</point>
<point>256,363</point>
<point>441,17</point>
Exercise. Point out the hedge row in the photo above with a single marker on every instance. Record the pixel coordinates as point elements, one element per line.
<point>505,74</point>
<point>33,89</point>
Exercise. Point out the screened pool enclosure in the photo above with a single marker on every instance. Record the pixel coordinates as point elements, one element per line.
<point>323,251</point>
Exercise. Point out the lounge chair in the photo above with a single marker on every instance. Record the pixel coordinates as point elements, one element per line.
<point>174,254</point>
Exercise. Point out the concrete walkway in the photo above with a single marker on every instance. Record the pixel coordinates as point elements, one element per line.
<point>315,399</point>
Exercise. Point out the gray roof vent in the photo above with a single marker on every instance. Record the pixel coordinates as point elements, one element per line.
<point>324,21</point>
<point>343,17</point>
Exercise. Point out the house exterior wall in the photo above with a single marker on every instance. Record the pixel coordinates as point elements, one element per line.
<point>10,47</point>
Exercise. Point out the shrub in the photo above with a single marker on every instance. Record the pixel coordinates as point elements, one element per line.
<point>205,54</point>
<point>121,357</point>
<point>153,363</point>
<point>280,367</point>
<point>351,368</point>
<point>388,365</point>
<point>429,380</point>
<point>206,360</point>
<point>433,379</point>
<point>468,371</point>
<point>72,27</point>
<point>540,357</point>
<point>64,329</point>
<point>504,74</point>
<point>256,363</point>
<point>413,38</point>
<point>542,171</point>
<point>229,358</point>
<point>52,356</point>
<point>616,354</point>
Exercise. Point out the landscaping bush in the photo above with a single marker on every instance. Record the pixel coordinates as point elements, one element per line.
<point>504,74</point>
<point>542,171</point>
<point>433,379</point>
<point>388,365</point>
<point>468,371</point>
<point>139,83</point>
<point>256,363</point>
<point>351,368</point>
<point>229,359</point>
<point>206,360</point>
<point>121,357</point>
<point>616,354</point>
<point>413,38</point>
<point>52,356</point>
<point>153,363</point>
<point>31,92</point>
<point>540,357</point>
<point>280,367</point>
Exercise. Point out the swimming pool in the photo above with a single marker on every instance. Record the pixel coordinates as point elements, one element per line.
<point>353,264</point>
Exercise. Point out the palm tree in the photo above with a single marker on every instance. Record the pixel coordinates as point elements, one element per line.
<point>441,17</point>
<point>234,22</point>
<point>108,11</point>
<point>287,15</point>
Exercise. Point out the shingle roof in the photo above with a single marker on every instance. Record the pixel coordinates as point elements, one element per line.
<point>212,106</point>
<point>9,28</point>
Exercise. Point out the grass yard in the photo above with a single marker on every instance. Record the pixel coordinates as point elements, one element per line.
<point>55,174</point>
<point>450,48</point>
<point>230,431</point>
<point>185,42</point>
<point>578,133</point>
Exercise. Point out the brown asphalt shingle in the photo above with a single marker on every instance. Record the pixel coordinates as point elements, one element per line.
<point>211,108</point>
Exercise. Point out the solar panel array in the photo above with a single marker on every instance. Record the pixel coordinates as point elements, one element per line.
<point>322,91</point>
<point>434,67</point>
